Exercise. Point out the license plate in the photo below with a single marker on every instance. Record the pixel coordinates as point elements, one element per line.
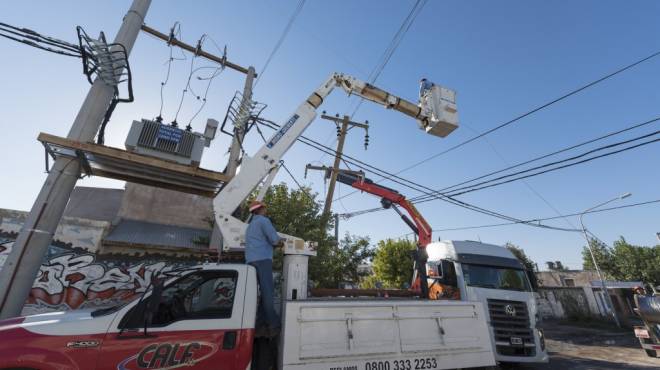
<point>516,341</point>
<point>642,333</point>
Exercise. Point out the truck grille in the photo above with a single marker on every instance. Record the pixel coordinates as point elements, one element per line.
<point>510,319</point>
<point>166,138</point>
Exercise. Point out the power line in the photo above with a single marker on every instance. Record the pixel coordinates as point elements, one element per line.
<point>610,134</point>
<point>394,44</point>
<point>541,107</point>
<point>526,114</point>
<point>285,32</point>
<point>389,51</point>
<point>549,218</point>
<point>425,198</point>
<point>401,181</point>
<point>566,165</point>
<point>32,38</point>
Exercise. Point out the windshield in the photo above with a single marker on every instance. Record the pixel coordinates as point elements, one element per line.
<point>492,277</point>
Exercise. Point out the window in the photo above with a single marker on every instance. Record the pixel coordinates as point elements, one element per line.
<point>200,295</point>
<point>569,282</point>
<point>493,277</point>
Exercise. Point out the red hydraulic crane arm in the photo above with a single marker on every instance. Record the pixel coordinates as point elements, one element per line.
<point>389,197</point>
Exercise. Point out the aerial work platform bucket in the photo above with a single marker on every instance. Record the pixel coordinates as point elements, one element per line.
<point>439,105</point>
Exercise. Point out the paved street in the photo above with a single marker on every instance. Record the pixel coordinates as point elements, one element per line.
<point>583,348</point>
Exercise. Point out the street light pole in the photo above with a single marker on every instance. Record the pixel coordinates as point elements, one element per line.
<point>593,258</point>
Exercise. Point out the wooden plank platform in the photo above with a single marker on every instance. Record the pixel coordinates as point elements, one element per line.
<point>115,163</point>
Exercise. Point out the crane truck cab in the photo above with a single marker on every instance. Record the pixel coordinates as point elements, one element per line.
<point>490,274</point>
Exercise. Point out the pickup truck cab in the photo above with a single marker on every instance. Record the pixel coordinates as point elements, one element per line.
<point>490,274</point>
<point>204,318</point>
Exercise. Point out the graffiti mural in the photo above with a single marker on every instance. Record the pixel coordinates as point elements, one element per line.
<point>71,280</point>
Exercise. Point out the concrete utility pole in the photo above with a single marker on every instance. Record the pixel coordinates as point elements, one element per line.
<point>243,117</point>
<point>341,137</point>
<point>22,264</point>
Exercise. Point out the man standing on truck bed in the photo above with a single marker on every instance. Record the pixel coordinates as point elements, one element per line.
<point>261,238</point>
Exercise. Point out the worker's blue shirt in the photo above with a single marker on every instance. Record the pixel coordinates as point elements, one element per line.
<point>260,237</point>
<point>424,87</point>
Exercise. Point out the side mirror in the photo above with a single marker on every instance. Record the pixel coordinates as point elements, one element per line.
<point>443,271</point>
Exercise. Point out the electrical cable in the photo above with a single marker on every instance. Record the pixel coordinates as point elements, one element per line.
<point>175,32</point>
<point>394,44</point>
<point>528,113</point>
<point>427,198</point>
<point>200,42</point>
<point>280,41</point>
<point>610,134</point>
<point>609,146</point>
<point>404,182</point>
<point>389,52</point>
<point>545,218</point>
<point>34,39</point>
<point>560,167</point>
<point>539,108</point>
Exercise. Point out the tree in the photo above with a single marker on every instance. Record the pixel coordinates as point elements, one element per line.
<point>603,256</point>
<point>297,212</point>
<point>393,264</point>
<point>521,256</point>
<point>624,261</point>
<point>335,264</point>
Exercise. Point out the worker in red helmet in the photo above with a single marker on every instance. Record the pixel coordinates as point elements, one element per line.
<point>261,238</point>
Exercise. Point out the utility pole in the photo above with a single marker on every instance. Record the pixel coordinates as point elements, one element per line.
<point>342,128</point>
<point>22,264</point>
<point>329,171</point>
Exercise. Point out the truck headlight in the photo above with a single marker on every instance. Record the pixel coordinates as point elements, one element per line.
<point>541,339</point>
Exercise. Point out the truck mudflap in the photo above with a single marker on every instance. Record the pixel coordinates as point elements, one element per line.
<point>384,335</point>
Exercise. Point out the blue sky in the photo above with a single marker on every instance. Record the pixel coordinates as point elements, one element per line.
<point>503,58</point>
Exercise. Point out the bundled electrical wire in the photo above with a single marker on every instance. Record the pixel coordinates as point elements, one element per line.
<point>404,182</point>
<point>489,181</point>
<point>32,38</point>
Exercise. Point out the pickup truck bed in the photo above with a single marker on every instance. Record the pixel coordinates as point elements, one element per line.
<point>376,334</point>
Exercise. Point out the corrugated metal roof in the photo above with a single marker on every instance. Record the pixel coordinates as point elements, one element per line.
<point>147,233</point>
<point>100,204</point>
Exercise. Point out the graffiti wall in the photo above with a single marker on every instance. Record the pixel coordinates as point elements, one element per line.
<point>73,275</point>
<point>71,280</point>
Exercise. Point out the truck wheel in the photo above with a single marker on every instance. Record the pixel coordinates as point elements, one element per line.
<point>651,352</point>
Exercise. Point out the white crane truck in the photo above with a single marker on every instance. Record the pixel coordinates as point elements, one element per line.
<point>490,274</point>
<point>204,317</point>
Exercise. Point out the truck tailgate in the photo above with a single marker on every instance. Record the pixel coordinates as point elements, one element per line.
<point>384,335</point>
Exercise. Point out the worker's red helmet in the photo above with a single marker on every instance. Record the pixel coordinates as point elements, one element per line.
<point>255,205</point>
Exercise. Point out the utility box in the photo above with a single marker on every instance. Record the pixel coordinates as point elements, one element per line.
<point>168,142</point>
<point>439,105</point>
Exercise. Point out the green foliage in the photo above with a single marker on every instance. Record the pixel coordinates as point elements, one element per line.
<point>624,261</point>
<point>335,264</point>
<point>521,256</point>
<point>392,264</point>
<point>298,213</point>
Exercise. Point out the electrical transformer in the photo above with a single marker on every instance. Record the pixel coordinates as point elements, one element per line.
<point>168,142</point>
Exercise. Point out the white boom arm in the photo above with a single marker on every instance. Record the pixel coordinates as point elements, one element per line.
<point>254,169</point>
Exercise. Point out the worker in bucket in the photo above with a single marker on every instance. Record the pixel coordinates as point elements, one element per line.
<point>424,87</point>
<point>261,238</point>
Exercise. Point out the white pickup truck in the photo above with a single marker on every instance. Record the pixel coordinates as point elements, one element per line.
<point>205,319</point>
